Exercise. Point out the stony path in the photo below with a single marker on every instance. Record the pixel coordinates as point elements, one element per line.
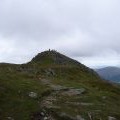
<point>48,101</point>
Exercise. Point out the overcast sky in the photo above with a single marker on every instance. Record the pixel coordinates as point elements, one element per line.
<point>87,30</point>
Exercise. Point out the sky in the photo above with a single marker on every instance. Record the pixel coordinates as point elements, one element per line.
<point>86,30</point>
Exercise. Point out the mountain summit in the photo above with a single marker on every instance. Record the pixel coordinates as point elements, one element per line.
<point>52,57</point>
<point>55,60</point>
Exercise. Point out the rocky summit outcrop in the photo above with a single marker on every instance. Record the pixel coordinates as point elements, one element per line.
<point>53,57</point>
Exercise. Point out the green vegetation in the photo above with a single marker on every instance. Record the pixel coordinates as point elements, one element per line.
<point>43,75</point>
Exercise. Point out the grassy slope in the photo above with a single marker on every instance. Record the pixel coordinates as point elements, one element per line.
<point>96,90</point>
<point>14,89</point>
<point>16,81</point>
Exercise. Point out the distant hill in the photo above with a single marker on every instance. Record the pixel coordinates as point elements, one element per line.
<point>110,73</point>
<point>53,86</point>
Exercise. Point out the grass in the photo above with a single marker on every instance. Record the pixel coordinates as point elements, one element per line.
<point>17,81</point>
<point>14,99</point>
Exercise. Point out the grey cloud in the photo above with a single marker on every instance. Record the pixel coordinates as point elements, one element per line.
<point>78,28</point>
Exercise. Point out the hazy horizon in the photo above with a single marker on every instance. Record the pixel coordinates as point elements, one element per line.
<point>83,62</point>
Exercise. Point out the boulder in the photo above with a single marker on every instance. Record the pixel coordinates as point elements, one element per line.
<point>71,92</point>
<point>10,118</point>
<point>33,95</point>
<point>111,118</point>
<point>50,72</point>
<point>78,117</point>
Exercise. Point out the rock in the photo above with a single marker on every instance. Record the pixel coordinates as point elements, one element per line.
<point>104,97</point>
<point>37,116</point>
<point>67,116</point>
<point>51,98</point>
<point>45,118</point>
<point>50,72</point>
<point>45,81</point>
<point>58,87</point>
<point>42,113</point>
<point>71,92</point>
<point>79,103</point>
<point>47,103</point>
<point>53,107</point>
<point>86,104</point>
<point>111,118</point>
<point>78,117</point>
<point>10,118</point>
<point>73,103</point>
<point>33,95</point>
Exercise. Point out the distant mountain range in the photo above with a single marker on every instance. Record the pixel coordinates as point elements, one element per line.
<point>110,73</point>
